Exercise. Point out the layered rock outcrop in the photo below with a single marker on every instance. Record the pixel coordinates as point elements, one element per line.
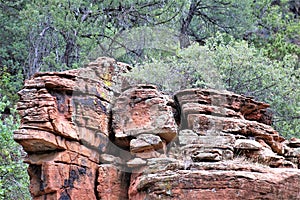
<point>65,119</point>
<point>225,149</point>
<point>90,136</point>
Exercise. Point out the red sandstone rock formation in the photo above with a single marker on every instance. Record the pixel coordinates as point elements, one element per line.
<point>65,128</point>
<point>89,137</point>
<point>221,153</point>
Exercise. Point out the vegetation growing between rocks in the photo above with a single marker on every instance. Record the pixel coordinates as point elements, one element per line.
<point>249,47</point>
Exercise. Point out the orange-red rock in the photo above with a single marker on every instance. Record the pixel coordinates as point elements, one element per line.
<point>217,184</point>
<point>90,136</point>
<point>64,127</point>
<point>238,105</point>
<point>142,110</point>
<point>112,182</point>
<point>61,173</point>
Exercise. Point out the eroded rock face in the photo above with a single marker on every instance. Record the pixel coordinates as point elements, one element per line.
<point>228,183</point>
<point>65,127</point>
<point>112,182</point>
<point>143,121</point>
<point>225,150</point>
<point>90,136</point>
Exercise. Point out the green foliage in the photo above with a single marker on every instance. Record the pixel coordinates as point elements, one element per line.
<point>62,34</point>
<point>54,35</point>
<point>14,180</point>
<point>246,70</point>
<point>59,35</point>
<point>278,47</point>
<point>277,30</point>
<point>138,44</point>
<point>226,63</point>
<point>230,16</point>
<point>10,85</point>
<point>13,40</point>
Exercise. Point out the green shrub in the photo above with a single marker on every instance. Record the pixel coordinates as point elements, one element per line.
<point>10,85</point>
<point>226,63</point>
<point>14,180</point>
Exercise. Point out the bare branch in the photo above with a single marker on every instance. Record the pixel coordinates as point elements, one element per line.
<point>44,30</point>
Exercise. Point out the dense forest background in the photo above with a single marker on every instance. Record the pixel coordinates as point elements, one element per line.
<point>248,47</point>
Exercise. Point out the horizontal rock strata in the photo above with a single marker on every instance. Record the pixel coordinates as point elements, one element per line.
<point>65,128</point>
<point>88,135</point>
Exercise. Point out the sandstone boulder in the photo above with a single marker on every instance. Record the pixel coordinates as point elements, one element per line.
<point>142,110</point>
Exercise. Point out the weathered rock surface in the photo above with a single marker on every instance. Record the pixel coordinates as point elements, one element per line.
<point>65,128</point>
<point>90,136</point>
<point>247,144</point>
<point>223,103</point>
<point>217,184</point>
<point>112,182</point>
<point>294,143</point>
<point>143,110</point>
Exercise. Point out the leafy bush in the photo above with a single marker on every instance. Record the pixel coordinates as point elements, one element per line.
<point>14,180</point>
<point>10,85</point>
<point>226,63</point>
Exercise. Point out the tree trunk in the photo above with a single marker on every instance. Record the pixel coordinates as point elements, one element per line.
<point>185,23</point>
